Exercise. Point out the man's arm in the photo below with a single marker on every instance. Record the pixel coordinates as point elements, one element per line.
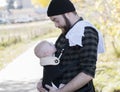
<point>78,82</point>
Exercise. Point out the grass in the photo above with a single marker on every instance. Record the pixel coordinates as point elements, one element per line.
<point>13,34</point>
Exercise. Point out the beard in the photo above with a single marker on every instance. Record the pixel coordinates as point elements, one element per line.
<point>67,27</point>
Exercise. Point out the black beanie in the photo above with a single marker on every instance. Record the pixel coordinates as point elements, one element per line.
<point>57,7</point>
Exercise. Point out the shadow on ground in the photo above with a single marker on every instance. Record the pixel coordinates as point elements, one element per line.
<point>18,86</point>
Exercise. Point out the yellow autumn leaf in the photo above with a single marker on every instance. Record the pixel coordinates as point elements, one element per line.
<point>42,3</point>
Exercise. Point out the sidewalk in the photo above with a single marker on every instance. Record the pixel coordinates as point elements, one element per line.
<point>23,73</point>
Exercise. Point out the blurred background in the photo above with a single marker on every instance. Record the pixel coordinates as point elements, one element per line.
<point>24,22</point>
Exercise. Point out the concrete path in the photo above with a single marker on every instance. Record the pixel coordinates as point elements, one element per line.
<point>23,73</point>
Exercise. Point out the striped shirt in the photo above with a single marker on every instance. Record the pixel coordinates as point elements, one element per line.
<point>83,58</point>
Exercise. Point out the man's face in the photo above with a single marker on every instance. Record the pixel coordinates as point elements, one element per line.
<point>62,22</point>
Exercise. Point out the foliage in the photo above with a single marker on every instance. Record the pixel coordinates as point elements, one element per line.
<point>42,3</point>
<point>107,77</point>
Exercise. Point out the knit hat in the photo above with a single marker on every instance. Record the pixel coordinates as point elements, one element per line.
<point>57,7</point>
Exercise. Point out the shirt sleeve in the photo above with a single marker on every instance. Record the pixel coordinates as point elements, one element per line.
<point>89,51</point>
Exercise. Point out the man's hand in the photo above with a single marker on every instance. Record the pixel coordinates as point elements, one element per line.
<point>40,87</point>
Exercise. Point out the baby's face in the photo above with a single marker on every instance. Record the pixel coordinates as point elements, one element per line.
<point>51,47</point>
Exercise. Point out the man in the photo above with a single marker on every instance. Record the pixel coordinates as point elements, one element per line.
<point>81,42</point>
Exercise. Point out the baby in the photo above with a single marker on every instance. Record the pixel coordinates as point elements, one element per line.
<point>46,52</point>
<point>44,49</point>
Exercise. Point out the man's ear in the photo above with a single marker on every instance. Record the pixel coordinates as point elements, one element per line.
<point>68,15</point>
